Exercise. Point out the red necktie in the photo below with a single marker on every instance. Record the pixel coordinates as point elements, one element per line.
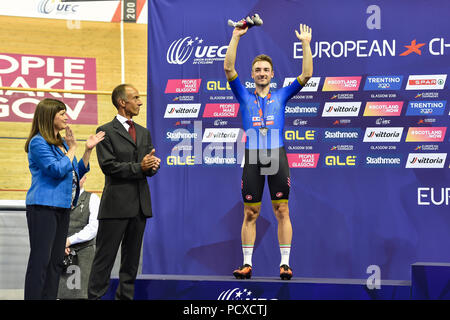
<point>132,130</point>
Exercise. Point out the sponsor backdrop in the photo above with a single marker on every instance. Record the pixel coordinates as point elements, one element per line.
<point>366,138</point>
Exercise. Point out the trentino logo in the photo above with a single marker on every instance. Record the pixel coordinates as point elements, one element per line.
<point>426,108</point>
<point>383,83</point>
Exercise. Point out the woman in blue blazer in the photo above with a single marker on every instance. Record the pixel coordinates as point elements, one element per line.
<point>55,176</point>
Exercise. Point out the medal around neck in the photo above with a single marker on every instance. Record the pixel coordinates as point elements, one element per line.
<point>263,130</point>
<point>254,20</point>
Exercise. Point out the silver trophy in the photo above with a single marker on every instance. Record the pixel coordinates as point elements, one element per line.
<point>254,20</point>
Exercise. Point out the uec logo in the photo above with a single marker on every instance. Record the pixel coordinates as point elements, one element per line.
<point>181,50</point>
<point>48,6</point>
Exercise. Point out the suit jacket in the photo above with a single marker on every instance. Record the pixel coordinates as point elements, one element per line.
<point>126,189</point>
<point>51,174</point>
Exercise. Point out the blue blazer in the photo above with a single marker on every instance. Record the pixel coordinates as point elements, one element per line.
<point>51,174</point>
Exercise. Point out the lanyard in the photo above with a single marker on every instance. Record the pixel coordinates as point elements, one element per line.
<point>260,111</point>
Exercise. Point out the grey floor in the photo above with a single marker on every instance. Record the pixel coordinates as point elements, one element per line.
<point>14,251</point>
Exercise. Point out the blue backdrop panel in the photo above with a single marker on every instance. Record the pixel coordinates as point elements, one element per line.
<point>368,201</point>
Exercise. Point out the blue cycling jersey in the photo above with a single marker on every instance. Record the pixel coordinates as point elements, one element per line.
<point>263,112</point>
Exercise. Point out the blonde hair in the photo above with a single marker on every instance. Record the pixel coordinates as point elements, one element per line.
<point>262,57</point>
<point>43,120</point>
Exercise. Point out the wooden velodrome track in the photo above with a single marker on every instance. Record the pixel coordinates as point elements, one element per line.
<point>99,40</point>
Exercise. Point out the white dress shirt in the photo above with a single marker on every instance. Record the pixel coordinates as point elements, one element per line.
<point>90,230</point>
<point>123,121</point>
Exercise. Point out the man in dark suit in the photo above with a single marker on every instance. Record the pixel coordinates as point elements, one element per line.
<point>126,157</point>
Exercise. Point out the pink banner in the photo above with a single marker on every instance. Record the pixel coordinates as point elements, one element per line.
<point>183,85</point>
<point>383,108</point>
<point>303,160</point>
<point>426,134</point>
<point>341,84</point>
<point>221,110</point>
<point>47,72</point>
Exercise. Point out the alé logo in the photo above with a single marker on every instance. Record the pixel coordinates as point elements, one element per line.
<point>182,49</point>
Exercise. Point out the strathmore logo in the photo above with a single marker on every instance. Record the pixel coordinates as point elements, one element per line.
<point>182,49</point>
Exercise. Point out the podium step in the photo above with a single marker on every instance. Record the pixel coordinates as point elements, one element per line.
<point>430,280</point>
<point>180,287</point>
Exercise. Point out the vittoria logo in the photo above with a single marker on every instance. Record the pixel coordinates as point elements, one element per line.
<point>221,135</point>
<point>341,109</point>
<point>311,86</point>
<point>383,134</point>
<point>182,110</point>
<point>426,160</point>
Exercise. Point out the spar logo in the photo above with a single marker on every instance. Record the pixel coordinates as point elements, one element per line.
<point>49,6</point>
<point>426,82</point>
<point>181,50</point>
<point>426,160</point>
